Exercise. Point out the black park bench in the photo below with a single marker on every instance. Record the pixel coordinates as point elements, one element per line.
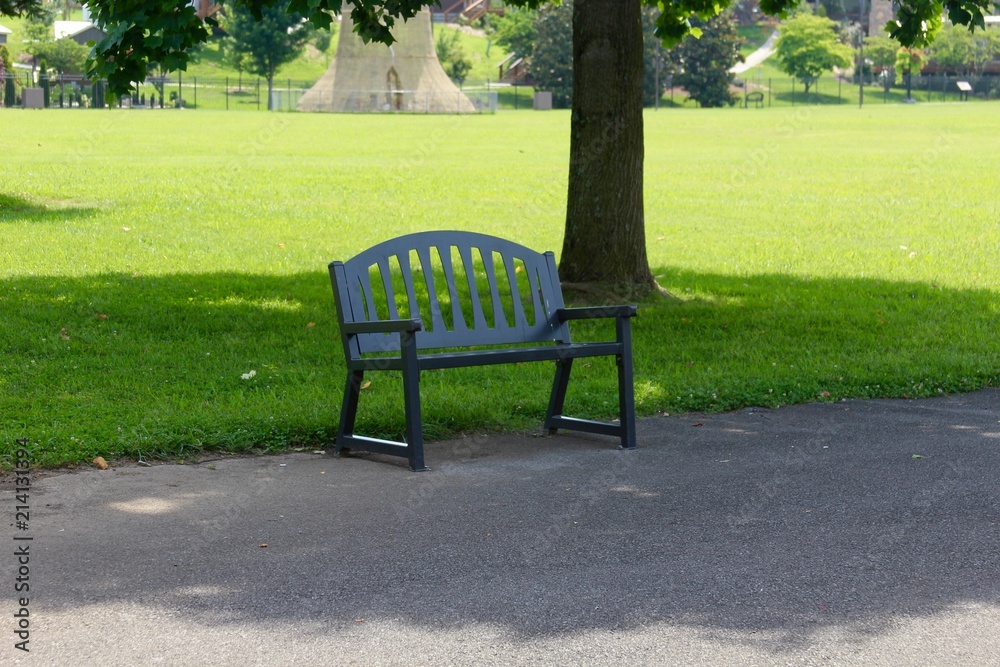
<point>756,97</point>
<point>484,300</point>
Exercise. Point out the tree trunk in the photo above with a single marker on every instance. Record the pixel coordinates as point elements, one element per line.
<point>605,239</point>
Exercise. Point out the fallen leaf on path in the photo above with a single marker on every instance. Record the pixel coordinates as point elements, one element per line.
<point>100,463</point>
<point>698,424</point>
<point>366,384</point>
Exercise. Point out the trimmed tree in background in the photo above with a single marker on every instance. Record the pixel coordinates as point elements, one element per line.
<point>808,46</point>
<point>703,63</point>
<point>268,42</point>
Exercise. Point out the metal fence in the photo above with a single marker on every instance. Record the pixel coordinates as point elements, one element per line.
<point>235,93</point>
<point>844,90</point>
<point>229,93</point>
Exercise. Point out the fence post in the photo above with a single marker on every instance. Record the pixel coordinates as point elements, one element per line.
<point>840,87</point>
<point>258,93</point>
<point>196,92</point>
<point>768,93</point>
<point>227,93</point>
<point>289,93</point>
<point>180,93</point>
<point>793,91</point>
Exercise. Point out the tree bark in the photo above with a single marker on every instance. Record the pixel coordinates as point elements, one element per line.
<point>605,240</point>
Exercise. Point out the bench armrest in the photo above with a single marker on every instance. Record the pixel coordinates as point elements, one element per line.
<point>564,314</point>
<point>381,326</point>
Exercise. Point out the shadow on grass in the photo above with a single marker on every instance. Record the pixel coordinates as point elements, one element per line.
<point>18,209</point>
<point>799,96</point>
<point>123,365</point>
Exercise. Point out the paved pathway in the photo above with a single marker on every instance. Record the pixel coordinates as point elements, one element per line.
<point>852,533</point>
<point>757,57</point>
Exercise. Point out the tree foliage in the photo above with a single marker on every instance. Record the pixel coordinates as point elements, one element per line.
<point>268,42</point>
<point>515,31</point>
<point>909,62</point>
<point>552,53</point>
<point>960,52</point>
<point>63,55</point>
<point>881,50</point>
<point>703,63</point>
<point>808,46</point>
<point>454,60</point>
<point>5,64</point>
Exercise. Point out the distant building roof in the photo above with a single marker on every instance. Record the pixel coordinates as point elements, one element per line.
<point>5,31</point>
<point>993,19</point>
<point>70,28</point>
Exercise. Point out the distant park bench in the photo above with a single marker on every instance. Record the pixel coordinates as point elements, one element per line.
<point>756,97</point>
<point>490,301</point>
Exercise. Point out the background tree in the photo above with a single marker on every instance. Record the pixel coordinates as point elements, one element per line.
<point>881,50</point>
<point>703,63</point>
<point>515,31</point>
<point>64,55</point>
<point>746,12</point>
<point>454,60</point>
<point>39,32</point>
<point>268,42</point>
<point>959,52</point>
<point>552,52</point>
<point>834,9</point>
<point>808,46</point>
<point>909,62</point>
<point>653,55</point>
<point>322,40</point>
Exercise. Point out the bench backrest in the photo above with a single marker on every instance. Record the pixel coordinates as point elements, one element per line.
<point>467,288</point>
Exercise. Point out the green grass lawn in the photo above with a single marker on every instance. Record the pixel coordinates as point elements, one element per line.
<point>150,259</point>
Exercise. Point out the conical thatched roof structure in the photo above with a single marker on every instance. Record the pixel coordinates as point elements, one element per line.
<point>373,77</point>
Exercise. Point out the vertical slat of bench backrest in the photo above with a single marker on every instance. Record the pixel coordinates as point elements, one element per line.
<point>437,319</point>
<point>390,293</point>
<point>536,297</point>
<point>520,320</point>
<point>478,317</point>
<point>411,296</point>
<point>499,319</point>
<point>457,318</point>
<point>543,281</point>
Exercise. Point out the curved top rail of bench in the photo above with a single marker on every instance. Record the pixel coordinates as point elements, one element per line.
<point>491,311</point>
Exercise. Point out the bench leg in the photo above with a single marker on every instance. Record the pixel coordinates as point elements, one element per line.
<point>626,384</point>
<point>411,403</point>
<point>558,397</point>
<point>349,409</point>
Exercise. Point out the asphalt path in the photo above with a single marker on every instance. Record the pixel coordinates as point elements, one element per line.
<point>850,533</point>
